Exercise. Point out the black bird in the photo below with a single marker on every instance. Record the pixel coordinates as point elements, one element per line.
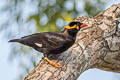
<point>52,42</point>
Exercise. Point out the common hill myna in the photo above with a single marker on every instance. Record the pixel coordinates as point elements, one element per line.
<point>52,42</point>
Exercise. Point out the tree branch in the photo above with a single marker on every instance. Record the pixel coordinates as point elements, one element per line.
<point>96,46</point>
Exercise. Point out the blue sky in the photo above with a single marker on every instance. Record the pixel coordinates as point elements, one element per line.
<point>9,70</point>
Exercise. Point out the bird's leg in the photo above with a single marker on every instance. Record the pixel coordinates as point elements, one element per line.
<point>52,62</point>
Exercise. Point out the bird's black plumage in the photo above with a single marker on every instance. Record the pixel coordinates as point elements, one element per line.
<point>51,42</point>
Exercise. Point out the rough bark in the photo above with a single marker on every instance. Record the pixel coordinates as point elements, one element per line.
<point>96,46</point>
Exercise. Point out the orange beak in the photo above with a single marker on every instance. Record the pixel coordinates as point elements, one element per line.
<point>83,25</point>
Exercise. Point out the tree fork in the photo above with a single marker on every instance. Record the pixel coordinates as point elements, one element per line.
<point>96,46</point>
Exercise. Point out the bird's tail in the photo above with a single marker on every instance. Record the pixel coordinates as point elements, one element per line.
<point>15,40</point>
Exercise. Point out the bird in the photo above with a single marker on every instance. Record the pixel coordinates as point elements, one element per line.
<point>52,42</point>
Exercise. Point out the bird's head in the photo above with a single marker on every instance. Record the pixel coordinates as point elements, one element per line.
<point>75,26</point>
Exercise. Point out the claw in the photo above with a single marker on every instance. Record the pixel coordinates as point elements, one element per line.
<point>52,62</point>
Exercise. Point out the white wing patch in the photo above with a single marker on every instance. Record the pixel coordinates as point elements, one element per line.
<point>38,44</point>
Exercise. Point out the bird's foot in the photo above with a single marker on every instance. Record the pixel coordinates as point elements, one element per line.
<point>52,62</point>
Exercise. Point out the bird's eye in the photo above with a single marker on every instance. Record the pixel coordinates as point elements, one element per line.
<point>78,24</point>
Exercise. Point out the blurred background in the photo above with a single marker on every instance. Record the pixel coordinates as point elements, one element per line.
<point>23,17</point>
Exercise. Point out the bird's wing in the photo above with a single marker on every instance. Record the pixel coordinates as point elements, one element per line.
<point>52,40</point>
<point>49,40</point>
